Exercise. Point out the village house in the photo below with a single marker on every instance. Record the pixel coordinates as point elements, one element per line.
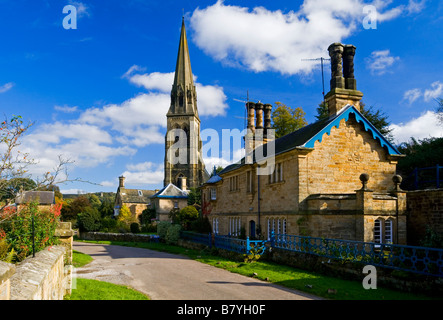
<point>168,198</point>
<point>335,178</point>
<point>136,200</point>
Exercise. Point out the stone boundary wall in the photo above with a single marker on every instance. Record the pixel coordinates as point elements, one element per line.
<point>130,237</point>
<point>425,208</point>
<point>47,276</point>
<point>41,277</point>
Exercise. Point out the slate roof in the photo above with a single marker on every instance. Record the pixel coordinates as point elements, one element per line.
<point>306,137</point>
<point>133,195</point>
<point>214,177</point>
<point>43,197</point>
<point>171,192</point>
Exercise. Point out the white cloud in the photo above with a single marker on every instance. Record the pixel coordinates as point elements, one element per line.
<point>379,61</point>
<point>82,9</point>
<point>263,40</point>
<point>145,173</point>
<point>66,109</point>
<point>425,126</point>
<point>412,95</point>
<point>436,91</point>
<point>211,99</point>
<point>6,87</point>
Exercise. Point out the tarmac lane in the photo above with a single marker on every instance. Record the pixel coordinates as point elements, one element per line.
<point>165,276</point>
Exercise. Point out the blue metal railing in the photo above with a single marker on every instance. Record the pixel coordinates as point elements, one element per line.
<point>428,261</point>
<point>422,260</point>
<point>202,238</point>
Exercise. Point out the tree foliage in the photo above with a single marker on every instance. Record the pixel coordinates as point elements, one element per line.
<point>286,119</point>
<point>419,154</point>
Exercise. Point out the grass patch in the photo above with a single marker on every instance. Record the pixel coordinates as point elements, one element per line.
<point>305,281</point>
<point>88,289</point>
<point>80,259</point>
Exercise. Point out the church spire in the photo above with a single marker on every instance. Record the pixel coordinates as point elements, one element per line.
<point>183,71</point>
<point>183,95</point>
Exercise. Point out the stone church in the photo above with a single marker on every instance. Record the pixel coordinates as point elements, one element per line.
<point>335,178</point>
<point>183,162</point>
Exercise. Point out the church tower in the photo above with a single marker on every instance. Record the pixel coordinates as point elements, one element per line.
<point>184,165</point>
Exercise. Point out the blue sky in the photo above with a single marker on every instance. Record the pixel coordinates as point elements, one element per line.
<point>98,94</point>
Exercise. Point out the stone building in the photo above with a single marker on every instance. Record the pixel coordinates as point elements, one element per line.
<point>335,178</point>
<point>136,200</point>
<point>168,198</point>
<point>184,165</point>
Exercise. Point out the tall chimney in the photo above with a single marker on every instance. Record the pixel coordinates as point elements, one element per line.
<point>336,52</point>
<point>251,116</point>
<point>348,67</point>
<point>259,115</point>
<point>268,110</point>
<point>121,182</point>
<point>343,83</point>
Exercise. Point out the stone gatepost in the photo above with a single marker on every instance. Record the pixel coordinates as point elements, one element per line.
<point>364,206</point>
<point>65,235</point>
<point>7,270</point>
<point>401,216</point>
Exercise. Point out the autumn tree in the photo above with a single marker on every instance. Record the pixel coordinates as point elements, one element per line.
<point>286,119</point>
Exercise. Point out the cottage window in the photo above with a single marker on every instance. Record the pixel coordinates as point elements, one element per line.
<point>388,231</point>
<point>215,225</point>
<point>383,231</point>
<point>213,194</point>
<point>233,183</point>
<point>277,174</point>
<point>278,225</point>
<point>175,204</point>
<point>249,181</point>
<point>377,231</point>
<point>234,226</point>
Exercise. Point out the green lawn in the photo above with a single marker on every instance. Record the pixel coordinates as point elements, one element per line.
<point>317,284</point>
<point>88,289</point>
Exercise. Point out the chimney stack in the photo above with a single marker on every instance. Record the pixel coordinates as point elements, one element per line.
<point>343,84</point>
<point>121,182</point>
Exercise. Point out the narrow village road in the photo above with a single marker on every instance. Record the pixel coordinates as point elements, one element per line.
<point>164,276</point>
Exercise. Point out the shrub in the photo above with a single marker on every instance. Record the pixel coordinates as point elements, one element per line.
<point>148,215</point>
<point>162,229</point>
<point>201,225</point>
<point>149,227</point>
<point>186,215</point>
<point>18,228</point>
<point>173,234</point>
<point>135,227</point>
<point>108,224</point>
<point>89,220</point>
